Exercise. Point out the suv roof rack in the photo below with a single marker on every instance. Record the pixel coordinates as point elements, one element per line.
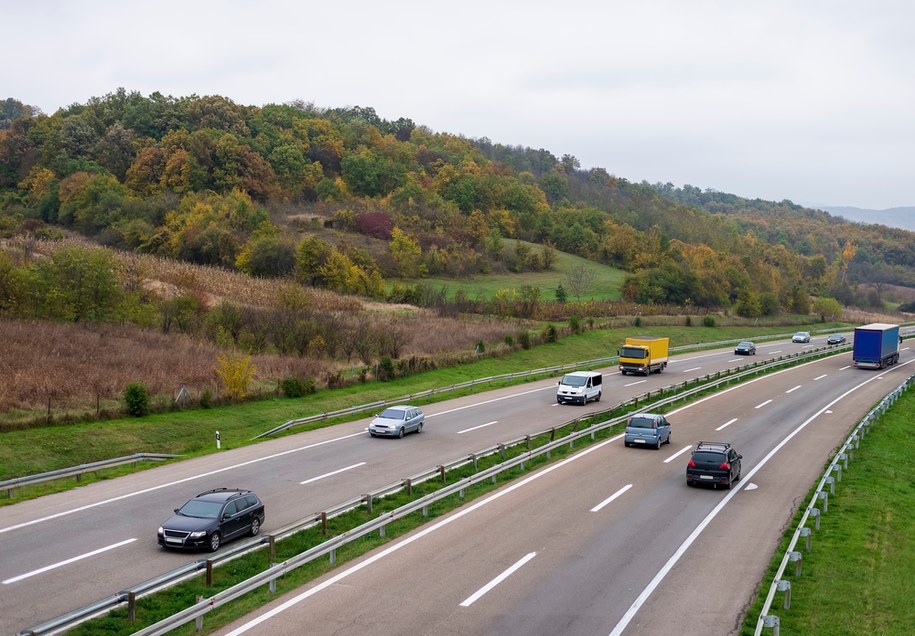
<point>215,490</point>
<point>724,445</point>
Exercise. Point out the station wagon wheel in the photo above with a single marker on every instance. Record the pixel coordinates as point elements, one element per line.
<point>419,428</point>
<point>215,540</point>
<point>255,527</point>
<point>400,432</point>
<point>657,445</point>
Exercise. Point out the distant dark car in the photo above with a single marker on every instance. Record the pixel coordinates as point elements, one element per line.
<point>394,421</point>
<point>212,517</point>
<point>745,349</point>
<point>713,463</point>
<point>801,336</point>
<point>835,339</point>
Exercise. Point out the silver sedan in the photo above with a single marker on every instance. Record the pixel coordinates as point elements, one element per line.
<point>395,421</point>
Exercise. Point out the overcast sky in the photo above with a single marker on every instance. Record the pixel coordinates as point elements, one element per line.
<point>808,100</point>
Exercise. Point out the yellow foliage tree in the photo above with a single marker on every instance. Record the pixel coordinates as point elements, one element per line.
<point>235,372</point>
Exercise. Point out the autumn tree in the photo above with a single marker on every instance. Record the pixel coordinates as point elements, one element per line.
<point>406,254</point>
<point>235,373</point>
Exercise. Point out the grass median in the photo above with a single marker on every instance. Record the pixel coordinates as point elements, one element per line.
<point>859,577</point>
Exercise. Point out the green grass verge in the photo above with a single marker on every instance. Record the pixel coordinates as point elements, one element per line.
<point>859,577</point>
<point>192,432</point>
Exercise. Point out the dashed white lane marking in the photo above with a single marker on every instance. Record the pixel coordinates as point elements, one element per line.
<point>507,573</point>
<point>677,454</point>
<point>611,498</point>
<point>54,566</point>
<point>335,472</point>
<point>726,424</point>
<point>473,428</point>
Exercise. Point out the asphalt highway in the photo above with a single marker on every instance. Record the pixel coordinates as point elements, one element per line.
<point>66,550</point>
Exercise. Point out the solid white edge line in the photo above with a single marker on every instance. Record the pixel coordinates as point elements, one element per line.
<point>507,573</point>
<point>677,454</point>
<point>650,588</point>
<point>54,566</point>
<point>611,497</point>
<point>726,424</point>
<point>335,472</point>
<point>759,406</point>
<point>175,483</point>
<point>473,428</point>
<point>459,514</point>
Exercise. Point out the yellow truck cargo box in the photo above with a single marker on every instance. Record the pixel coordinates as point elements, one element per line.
<point>644,355</point>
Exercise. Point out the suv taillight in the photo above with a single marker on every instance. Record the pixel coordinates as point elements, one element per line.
<point>725,466</point>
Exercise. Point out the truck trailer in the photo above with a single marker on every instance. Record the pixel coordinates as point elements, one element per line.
<point>643,355</point>
<point>875,346</point>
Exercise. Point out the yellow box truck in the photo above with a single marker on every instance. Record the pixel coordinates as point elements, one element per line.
<point>644,355</point>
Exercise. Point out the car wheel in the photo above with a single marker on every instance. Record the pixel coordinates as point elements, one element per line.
<point>668,439</point>
<point>372,434</point>
<point>400,432</point>
<point>215,540</point>
<point>625,443</point>
<point>623,371</point>
<point>597,399</point>
<point>419,428</point>
<point>255,527</point>
<point>657,446</point>
<point>558,401</point>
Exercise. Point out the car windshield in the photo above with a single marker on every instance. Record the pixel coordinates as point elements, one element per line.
<point>198,508</point>
<point>393,414</point>
<point>642,422</point>
<point>745,345</point>
<point>574,380</point>
<point>801,334</point>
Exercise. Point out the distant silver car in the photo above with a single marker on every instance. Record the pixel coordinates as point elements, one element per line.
<point>801,336</point>
<point>395,421</point>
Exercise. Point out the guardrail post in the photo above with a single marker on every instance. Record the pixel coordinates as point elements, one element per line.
<point>552,433</point>
<point>806,533</point>
<point>198,622</point>
<point>815,513</point>
<point>381,531</point>
<point>854,438</point>
<point>527,438</point>
<point>425,511</point>
<point>324,522</point>
<point>461,493</point>
<point>838,470</point>
<point>333,557</point>
<point>473,458</point>
<point>502,452</point>
<point>844,458</point>
<point>209,573</point>
<point>131,607</point>
<point>368,502</point>
<point>271,541</point>
<point>825,497</point>
<point>797,557</point>
<point>785,586</point>
<point>771,621</point>
<point>408,486</point>
<point>272,585</point>
<point>832,484</point>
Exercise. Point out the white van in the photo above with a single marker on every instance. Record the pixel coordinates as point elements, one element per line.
<point>580,387</point>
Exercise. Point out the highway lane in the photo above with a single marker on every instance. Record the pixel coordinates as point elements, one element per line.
<point>556,553</point>
<point>45,541</point>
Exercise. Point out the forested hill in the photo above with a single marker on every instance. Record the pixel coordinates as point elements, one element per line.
<point>343,199</point>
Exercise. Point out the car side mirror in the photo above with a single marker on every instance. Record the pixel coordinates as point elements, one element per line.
<point>176,511</point>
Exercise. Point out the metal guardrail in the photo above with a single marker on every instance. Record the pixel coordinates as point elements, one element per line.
<point>470,384</point>
<point>839,461</point>
<point>78,471</point>
<point>129,595</point>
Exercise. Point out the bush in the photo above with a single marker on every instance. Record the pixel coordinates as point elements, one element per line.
<point>386,368</point>
<point>550,334</point>
<point>689,321</point>
<point>638,321</point>
<point>708,321</point>
<point>297,387</point>
<point>480,347</point>
<point>206,399</point>
<point>575,324</point>
<point>509,341</point>
<point>524,339</point>
<point>136,399</point>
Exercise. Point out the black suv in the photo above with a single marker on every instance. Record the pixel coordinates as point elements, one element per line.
<point>212,517</point>
<point>714,463</point>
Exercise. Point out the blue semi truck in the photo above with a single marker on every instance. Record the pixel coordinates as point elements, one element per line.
<point>876,346</point>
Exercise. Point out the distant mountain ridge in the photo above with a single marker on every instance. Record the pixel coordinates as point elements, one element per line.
<point>903,218</point>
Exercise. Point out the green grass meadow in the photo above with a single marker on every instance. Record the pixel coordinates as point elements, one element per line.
<point>859,577</point>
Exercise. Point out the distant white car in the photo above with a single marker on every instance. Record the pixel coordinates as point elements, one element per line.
<point>801,336</point>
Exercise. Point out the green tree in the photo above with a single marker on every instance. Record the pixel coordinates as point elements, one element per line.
<point>828,308</point>
<point>76,284</point>
<point>406,254</point>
